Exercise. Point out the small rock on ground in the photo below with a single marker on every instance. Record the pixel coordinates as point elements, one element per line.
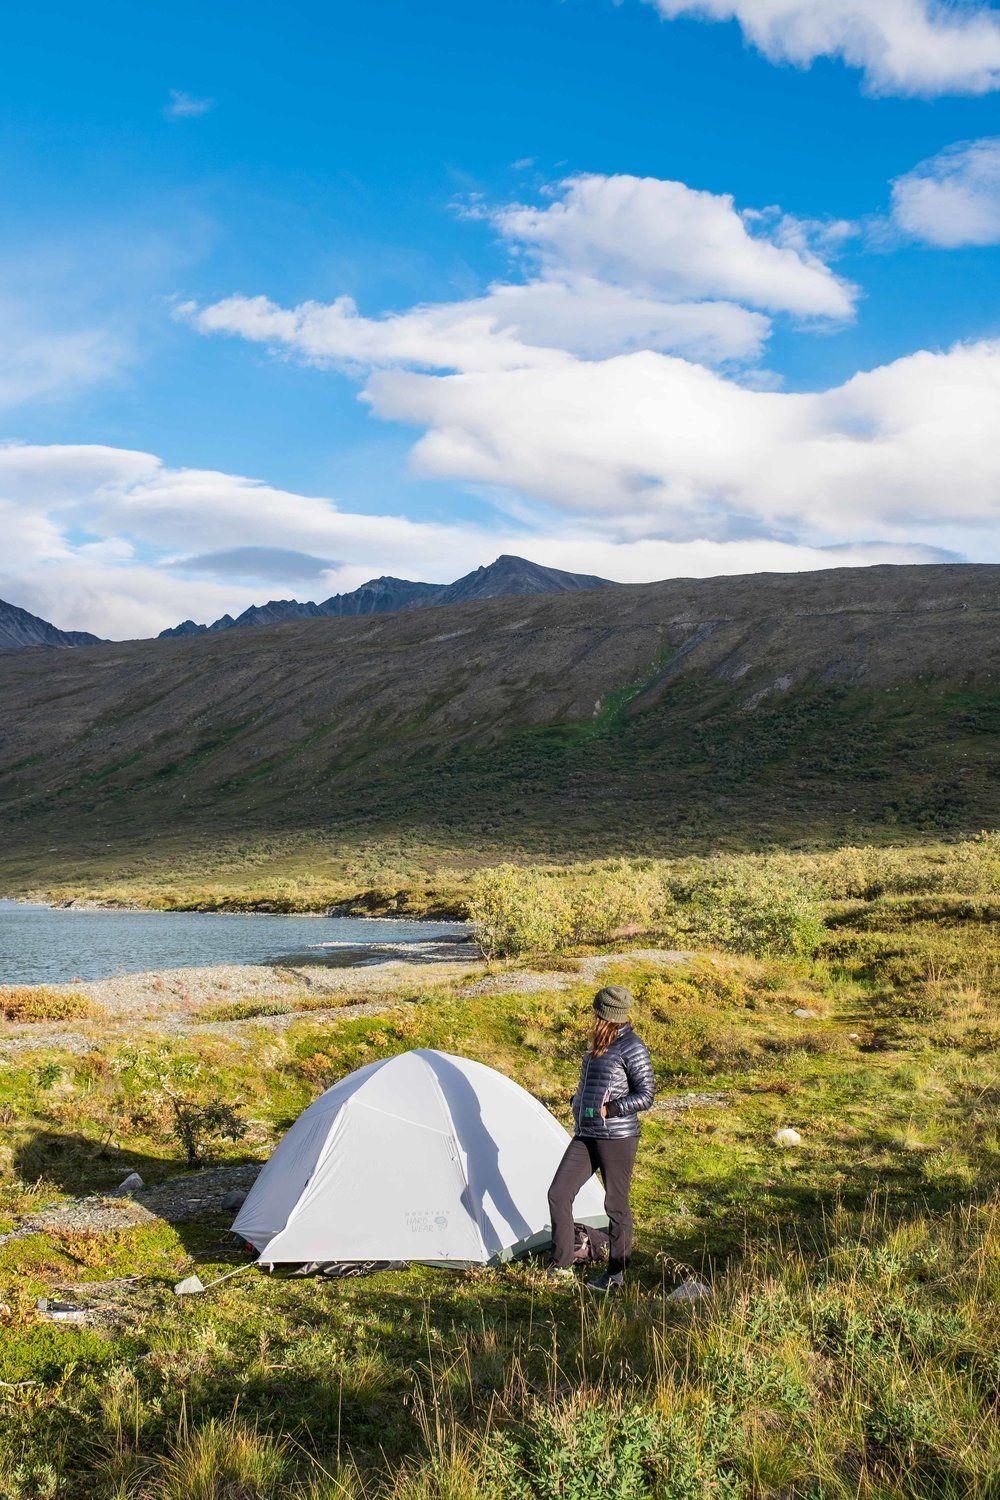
<point>691,1290</point>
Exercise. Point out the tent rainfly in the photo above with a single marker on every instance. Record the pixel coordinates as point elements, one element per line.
<point>421,1157</point>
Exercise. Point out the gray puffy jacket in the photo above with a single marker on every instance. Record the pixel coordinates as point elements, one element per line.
<point>620,1079</point>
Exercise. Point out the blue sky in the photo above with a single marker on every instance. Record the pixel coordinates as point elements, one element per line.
<point>160,167</point>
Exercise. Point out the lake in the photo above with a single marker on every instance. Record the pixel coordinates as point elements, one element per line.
<point>55,945</point>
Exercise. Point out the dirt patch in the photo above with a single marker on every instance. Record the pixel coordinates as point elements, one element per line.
<point>179,1198</point>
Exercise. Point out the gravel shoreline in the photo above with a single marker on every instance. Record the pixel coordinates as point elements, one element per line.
<point>185,1001</point>
<point>188,1002</point>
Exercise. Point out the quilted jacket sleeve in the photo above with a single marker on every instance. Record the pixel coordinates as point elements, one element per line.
<point>639,1072</point>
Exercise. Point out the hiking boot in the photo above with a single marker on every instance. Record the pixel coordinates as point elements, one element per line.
<point>611,1281</point>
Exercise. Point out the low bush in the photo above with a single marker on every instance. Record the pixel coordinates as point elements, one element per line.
<point>244,1010</point>
<point>974,865</point>
<point>40,1003</point>
<point>520,911</point>
<point>581,1446</point>
<point>756,910</point>
<point>167,1094</point>
<point>618,900</point>
<point>528,910</point>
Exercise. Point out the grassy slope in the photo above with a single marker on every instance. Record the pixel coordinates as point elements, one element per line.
<point>850,1349</point>
<point>857,704</point>
<point>807,772</point>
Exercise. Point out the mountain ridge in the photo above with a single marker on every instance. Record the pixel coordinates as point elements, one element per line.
<point>506,576</point>
<point>20,629</point>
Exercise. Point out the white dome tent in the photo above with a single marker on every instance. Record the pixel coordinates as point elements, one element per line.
<point>420,1157</point>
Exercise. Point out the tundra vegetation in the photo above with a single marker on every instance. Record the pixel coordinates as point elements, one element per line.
<point>848,1347</point>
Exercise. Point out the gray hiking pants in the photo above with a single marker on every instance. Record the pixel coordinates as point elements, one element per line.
<point>613,1159</point>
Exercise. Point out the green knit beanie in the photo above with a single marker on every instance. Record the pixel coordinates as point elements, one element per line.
<point>613,1003</point>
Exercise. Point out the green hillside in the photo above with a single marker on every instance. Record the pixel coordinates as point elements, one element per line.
<point>855,704</point>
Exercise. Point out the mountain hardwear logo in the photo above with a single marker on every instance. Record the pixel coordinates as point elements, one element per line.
<point>421,1221</point>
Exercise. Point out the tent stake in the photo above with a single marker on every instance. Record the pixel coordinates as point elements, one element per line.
<point>192,1285</point>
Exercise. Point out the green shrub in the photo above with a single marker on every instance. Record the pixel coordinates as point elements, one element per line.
<point>864,873</point>
<point>244,1010</point>
<point>171,1095</point>
<point>617,900</point>
<point>576,1449</point>
<point>519,911</point>
<point>525,910</point>
<point>974,866</point>
<point>756,910</point>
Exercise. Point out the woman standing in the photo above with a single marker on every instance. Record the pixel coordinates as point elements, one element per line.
<point>616,1085</point>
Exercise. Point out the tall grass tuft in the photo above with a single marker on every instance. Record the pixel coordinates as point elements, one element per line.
<point>224,1460</point>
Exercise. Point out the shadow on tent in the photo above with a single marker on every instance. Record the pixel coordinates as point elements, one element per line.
<point>486,1181</point>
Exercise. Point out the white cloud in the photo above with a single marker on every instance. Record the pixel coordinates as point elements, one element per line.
<point>640,466</point>
<point>582,399</point>
<point>537,324</point>
<point>673,241</point>
<point>922,47</point>
<point>115,602</point>
<point>95,535</point>
<point>953,198</point>
<point>182,106</point>
<point>615,264</point>
<point>660,446</point>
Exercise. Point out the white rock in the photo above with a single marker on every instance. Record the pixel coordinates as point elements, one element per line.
<point>132,1184</point>
<point>189,1286</point>
<point>691,1290</point>
<point>803,1014</point>
<point>787,1137</point>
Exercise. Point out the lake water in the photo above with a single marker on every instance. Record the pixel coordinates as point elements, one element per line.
<point>46,945</point>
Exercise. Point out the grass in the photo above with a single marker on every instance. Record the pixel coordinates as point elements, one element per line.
<point>849,1348</point>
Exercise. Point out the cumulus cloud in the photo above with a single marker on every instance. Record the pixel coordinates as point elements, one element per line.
<point>668,447</point>
<point>671,240</point>
<point>953,198</point>
<point>606,402</point>
<point>98,536</point>
<point>921,47</point>
<point>637,467</point>
<point>510,327</point>
<point>613,264</point>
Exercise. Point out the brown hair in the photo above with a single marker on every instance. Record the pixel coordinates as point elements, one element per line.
<point>602,1034</point>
